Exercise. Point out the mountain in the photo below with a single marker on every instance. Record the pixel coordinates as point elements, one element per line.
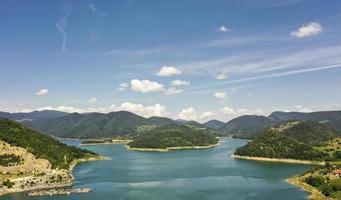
<point>292,140</point>
<point>100,125</point>
<point>40,145</point>
<point>313,116</point>
<point>32,115</point>
<point>91,125</point>
<point>246,126</point>
<point>172,136</point>
<point>214,124</point>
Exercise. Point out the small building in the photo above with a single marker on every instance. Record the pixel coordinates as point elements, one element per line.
<point>337,172</point>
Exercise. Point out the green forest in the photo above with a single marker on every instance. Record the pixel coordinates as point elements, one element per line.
<point>42,146</point>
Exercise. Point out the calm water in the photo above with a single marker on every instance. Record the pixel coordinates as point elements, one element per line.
<point>184,174</point>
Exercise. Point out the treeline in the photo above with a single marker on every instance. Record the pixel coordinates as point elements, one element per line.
<point>172,136</point>
<point>42,146</point>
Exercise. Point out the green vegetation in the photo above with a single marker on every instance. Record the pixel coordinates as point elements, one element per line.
<point>10,160</point>
<point>42,146</point>
<point>8,184</point>
<point>172,136</point>
<point>323,179</point>
<point>291,140</point>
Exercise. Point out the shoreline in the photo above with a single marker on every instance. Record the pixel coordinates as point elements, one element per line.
<point>313,192</point>
<point>112,142</point>
<point>171,148</point>
<point>279,160</point>
<point>55,185</point>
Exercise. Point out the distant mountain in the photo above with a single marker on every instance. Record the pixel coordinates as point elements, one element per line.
<point>247,126</point>
<point>313,116</point>
<point>100,125</point>
<point>303,140</point>
<point>173,135</point>
<point>32,115</point>
<point>214,124</point>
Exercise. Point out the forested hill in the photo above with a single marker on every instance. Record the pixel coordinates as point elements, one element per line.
<point>42,146</point>
<point>292,140</point>
<point>172,136</point>
<point>100,125</point>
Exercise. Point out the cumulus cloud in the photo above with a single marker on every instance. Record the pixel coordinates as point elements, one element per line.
<point>221,76</point>
<point>220,95</point>
<point>93,100</point>
<point>300,108</point>
<point>173,91</point>
<point>308,30</point>
<point>122,86</point>
<point>168,71</point>
<point>227,110</point>
<point>139,109</point>
<point>68,109</point>
<point>206,115</point>
<point>224,29</point>
<point>180,83</point>
<point>42,92</point>
<point>188,114</point>
<point>146,86</point>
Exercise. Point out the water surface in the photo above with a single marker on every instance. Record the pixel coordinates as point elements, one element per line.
<point>183,174</point>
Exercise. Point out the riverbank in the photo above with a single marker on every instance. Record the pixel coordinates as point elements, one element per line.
<point>106,142</point>
<point>280,160</point>
<point>171,148</point>
<point>314,193</point>
<point>51,178</point>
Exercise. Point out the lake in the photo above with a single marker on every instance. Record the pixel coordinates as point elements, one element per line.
<point>182,174</point>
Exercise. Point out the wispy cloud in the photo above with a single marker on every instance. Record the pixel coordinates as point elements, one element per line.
<point>62,24</point>
<point>94,9</point>
<point>135,53</point>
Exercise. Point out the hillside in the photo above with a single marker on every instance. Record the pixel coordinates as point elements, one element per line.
<point>100,125</point>
<point>42,146</point>
<point>291,140</point>
<point>21,116</point>
<point>214,124</point>
<point>172,136</point>
<point>246,126</point>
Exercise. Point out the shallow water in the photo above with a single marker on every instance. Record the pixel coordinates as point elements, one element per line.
<point>182,174</point>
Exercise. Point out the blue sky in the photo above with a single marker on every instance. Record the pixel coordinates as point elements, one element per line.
<point>194,60</point>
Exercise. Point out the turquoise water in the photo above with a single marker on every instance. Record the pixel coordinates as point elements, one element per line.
<point>183,174</point>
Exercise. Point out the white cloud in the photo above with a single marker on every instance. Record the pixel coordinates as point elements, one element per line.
<point>308,30</point>
<point>146,86</point>
<point>227,110</point>
<point>206,115</point>
<point>180,83</point>
<point>221,76</point>
<point>173,91</point>
<point>68,109</point>
<point>139,109</point>
<point>122,86</point>
<point>188,114</point>
<point>224,29</point>
<point>300,108</point>
<point>62,24</point>
<point>220,95</point>
<point>42,92</point>
<point>168,71</point>
<point>93,100</point>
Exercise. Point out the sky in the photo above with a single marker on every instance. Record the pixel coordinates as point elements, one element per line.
<point>192,60</point>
